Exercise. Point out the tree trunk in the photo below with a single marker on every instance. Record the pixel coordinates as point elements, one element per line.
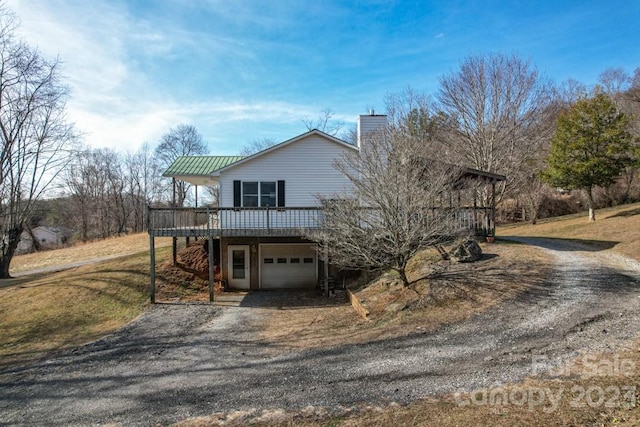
<point>8,250</point>
<point>403,275</point>
<point>592,212</point>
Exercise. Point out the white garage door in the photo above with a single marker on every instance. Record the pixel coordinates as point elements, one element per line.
<point>288,266</point>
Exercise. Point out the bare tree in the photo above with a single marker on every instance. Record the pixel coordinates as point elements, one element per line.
<point>569,92</point>
<point>183,140</point>
<point>409,110</point>
<point>34,133</point>
<point>143,183</point>
<point>392,211</point>
<point>500,111</point>
<point>618,85</point>
<point>213,191</point>
<point>614,81</point>
<point>414,115</point>
<point>324,123</point>
<point>96,183</point>
<point>256,146</point>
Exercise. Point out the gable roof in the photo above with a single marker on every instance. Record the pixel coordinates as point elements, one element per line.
<point>199,165</point>
<point>288,142</point>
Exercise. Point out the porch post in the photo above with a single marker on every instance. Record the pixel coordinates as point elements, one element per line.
<point>173,182</point>
<point>174,246</point>
<point>152,270</point>
<point>475,211</point>
<point>493,209</point>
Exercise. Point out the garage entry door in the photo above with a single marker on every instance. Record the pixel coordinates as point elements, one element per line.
<point>288,266</point>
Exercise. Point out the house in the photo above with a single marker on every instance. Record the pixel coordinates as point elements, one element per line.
<point>266,201</point>
<point>45,238</point>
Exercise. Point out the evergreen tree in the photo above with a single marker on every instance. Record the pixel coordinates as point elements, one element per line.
<point>591,147</point>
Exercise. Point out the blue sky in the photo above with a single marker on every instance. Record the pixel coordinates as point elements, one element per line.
<point>241,70</point>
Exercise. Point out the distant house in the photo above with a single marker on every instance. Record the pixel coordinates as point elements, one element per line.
<point>46,237</point>
<point>268,199</point>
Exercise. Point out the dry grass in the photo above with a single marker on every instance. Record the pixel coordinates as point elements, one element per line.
<point>115,246</point>
<point>463,290</point>
<point>618,227</point>
<point>52,312</point>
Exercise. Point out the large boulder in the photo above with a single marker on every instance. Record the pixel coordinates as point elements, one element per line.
<point>467,251</point>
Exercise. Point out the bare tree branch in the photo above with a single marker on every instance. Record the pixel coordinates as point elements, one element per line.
<point>393,210</point>
<point>183,140</point>
<point>34,133</point>
<point>324,123</point>
<point>501,110</point>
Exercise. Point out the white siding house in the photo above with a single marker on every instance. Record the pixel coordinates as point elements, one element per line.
<point>265,201</point>
<point>305,164</point>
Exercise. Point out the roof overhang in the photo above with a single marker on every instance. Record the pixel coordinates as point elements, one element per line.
<point>488,177</point>
<point>200,180</point>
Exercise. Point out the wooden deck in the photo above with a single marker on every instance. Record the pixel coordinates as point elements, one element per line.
<point>281,222</point>
<point>269,222</point>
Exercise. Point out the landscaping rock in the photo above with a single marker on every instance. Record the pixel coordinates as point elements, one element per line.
<point>467,251</point>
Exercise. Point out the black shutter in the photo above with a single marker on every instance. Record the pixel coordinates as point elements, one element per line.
<point>280,193</point>
<point>237,199</point>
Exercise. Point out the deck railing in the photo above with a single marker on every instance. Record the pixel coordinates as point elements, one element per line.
<point>289,221</point>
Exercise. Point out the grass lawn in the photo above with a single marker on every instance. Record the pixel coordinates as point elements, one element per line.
<point>56,311</point>
<point>618,227</point>
<point>115,246</point>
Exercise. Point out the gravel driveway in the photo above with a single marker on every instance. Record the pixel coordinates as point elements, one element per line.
<point>178,361</point>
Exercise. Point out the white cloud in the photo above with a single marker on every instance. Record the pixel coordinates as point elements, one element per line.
<point>88,39</point>
<point>110,59</point>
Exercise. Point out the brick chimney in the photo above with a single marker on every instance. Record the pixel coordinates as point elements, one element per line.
<point>370,123</point>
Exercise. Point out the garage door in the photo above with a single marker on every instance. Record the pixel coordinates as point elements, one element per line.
<point>288,266</point>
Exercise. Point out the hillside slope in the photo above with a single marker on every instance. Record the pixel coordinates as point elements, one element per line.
<point>616,229</point>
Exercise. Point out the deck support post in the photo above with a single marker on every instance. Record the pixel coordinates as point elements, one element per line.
<point>211,278</point>
<point>325,255</point>
<point>152,272</point>
<point>174,251</point>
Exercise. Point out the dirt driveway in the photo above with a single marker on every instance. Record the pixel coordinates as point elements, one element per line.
<point>179,361</point>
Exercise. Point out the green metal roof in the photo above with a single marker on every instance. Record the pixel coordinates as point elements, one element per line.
<point>199,165</point>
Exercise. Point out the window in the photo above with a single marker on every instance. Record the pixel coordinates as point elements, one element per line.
<point>308,260</point>
<point>268,194</point>
<point>268,260</point>
<point>295,261</point>
<point>282,260</point>
<point>238,264</point>
<point>253,194</point>
<point>250,194</point>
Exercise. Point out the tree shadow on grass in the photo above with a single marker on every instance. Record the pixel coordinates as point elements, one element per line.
<point>564,245</point>
<point>625,214</point>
